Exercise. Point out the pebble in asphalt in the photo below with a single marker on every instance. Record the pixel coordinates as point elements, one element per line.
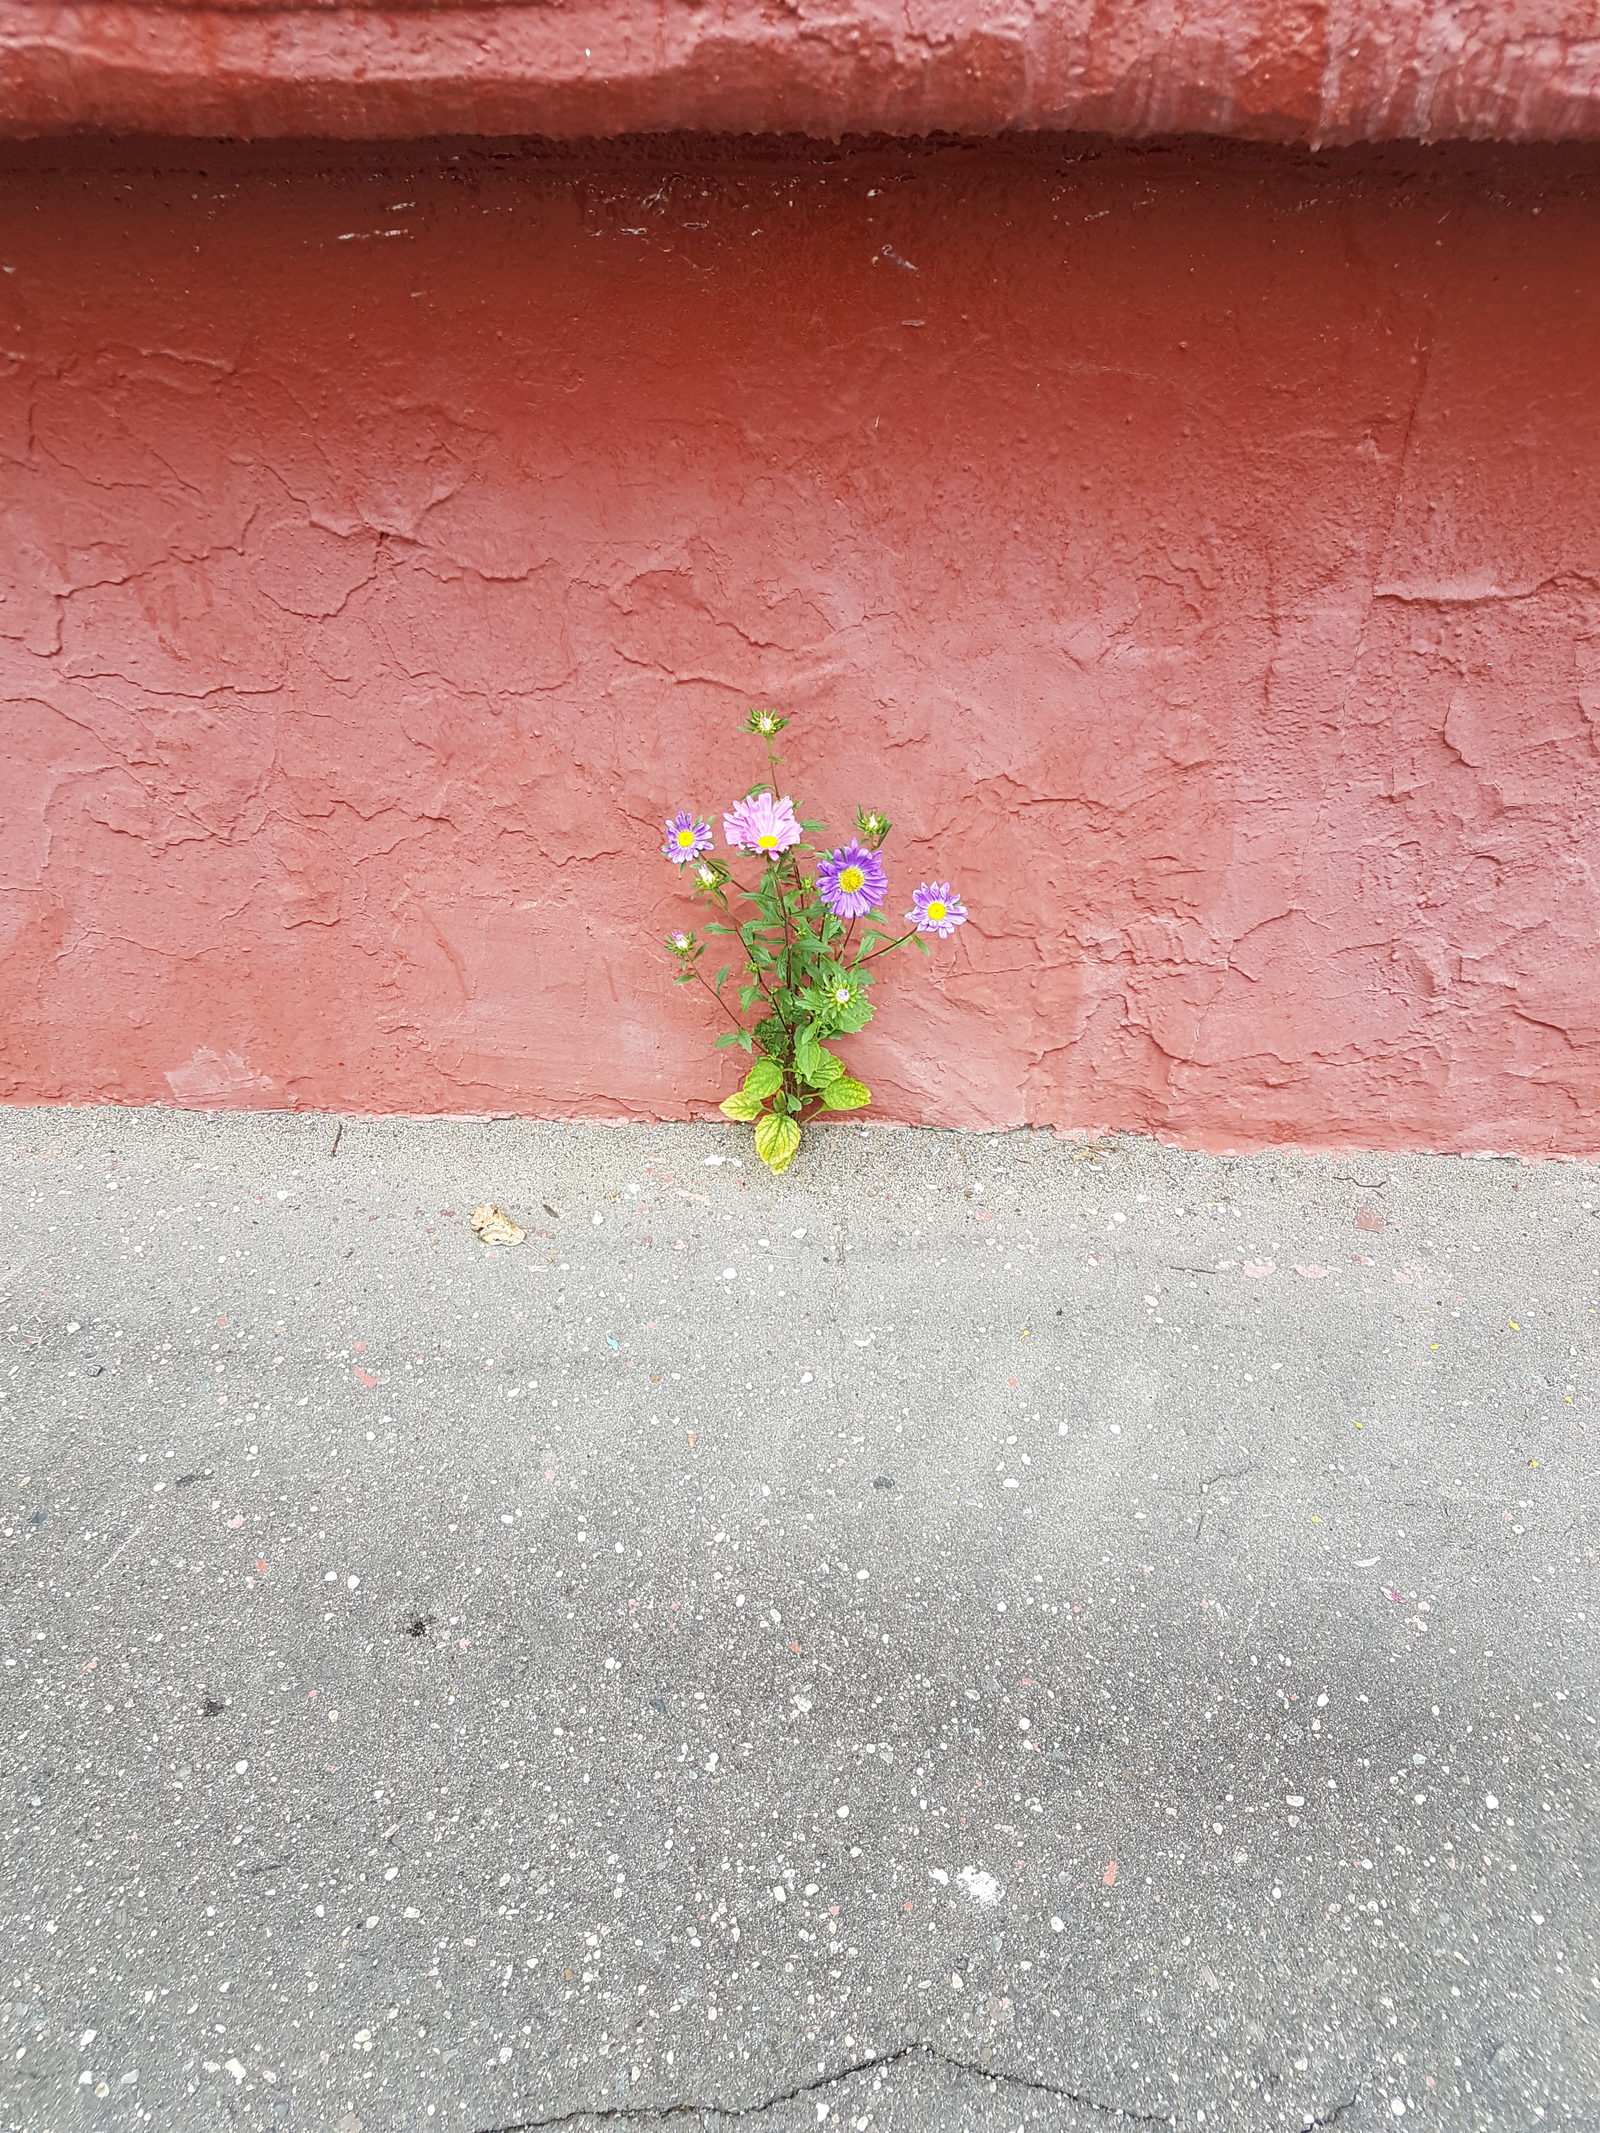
<point>984,1632</point>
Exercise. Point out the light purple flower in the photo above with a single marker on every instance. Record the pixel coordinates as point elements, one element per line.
<point>935,910</point>
<point>687,838</point>
<point>762,824</point>
<point>851,881</point>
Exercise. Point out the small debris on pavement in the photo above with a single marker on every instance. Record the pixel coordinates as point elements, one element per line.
<point>495,1226</point>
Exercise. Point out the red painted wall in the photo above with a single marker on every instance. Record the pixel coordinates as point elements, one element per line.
<point>1198,550</point>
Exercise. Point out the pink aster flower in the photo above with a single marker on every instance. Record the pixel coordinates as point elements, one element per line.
<point>851,881</point>
<point>935,910</point>
<point>762,824</point>
<point>687,837</point>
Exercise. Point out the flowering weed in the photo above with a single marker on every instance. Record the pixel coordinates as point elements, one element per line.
<point>805,975</point>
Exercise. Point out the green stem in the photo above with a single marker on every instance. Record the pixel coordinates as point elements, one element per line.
<point>721,1002</point>
<point>884,949</point>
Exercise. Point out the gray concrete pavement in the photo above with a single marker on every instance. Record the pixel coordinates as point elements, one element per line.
<point>976,1634</point>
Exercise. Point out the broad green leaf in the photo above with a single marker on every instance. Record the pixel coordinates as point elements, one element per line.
<point>846,1094</point>
<point>815,1065</point>
<point>777,1141</point>
<point>741,1104</point>
<point>764,1079</point>
<point>721,979</point>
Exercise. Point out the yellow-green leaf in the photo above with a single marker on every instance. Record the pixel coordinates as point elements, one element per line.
<point>822,1069</point>
<point>764,1079</point>
<point>740,1105</point>
<point>845,1094</point>
<point>777,1142</point>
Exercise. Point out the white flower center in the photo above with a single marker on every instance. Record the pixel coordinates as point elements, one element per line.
<point>842,994</point>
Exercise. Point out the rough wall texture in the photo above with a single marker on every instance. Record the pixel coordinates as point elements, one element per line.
<point>1321,71</point>
<point>1198,550</point>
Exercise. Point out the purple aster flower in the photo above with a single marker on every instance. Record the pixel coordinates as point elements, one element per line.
<point>935,910</point>
<point>851,882</point>
<point>762,824</point>
<point>686,838</point>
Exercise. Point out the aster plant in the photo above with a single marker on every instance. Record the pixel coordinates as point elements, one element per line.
<point>806,969</point>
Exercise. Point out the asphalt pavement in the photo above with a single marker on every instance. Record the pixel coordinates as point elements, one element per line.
<point>982,1632</point>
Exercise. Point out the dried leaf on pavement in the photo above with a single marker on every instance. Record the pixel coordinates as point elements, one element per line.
<point>495,1226</point>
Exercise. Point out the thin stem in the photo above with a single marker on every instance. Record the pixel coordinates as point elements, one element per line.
<point>721,1002</point>
<point>884,949</point>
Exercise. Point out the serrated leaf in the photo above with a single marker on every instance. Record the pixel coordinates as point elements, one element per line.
<point>777,1142</point>
<point>846,1094</point>
<point>764,1079</point>
<point>740,1105</point>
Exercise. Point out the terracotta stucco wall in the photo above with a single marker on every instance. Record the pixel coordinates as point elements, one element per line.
<point>1198,550</point>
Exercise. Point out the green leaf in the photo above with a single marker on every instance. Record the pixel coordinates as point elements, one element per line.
<point>721,979</point>
<point>846,1094</point>
<point>764,1079</point>
<point>814,1064</point>
<point>740,1105</point>
<point>777,1142</point>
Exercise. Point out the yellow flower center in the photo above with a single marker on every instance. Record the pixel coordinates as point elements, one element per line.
<point>768,843</point>
<point>936,911</point>
<point>686,840</point>
<point>851,879</point>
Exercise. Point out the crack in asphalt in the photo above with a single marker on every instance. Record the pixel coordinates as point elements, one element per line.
<point>656,2113</point>
<point>1334,2113</point>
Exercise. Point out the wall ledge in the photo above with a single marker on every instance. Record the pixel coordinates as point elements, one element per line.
<point>1313,72</point>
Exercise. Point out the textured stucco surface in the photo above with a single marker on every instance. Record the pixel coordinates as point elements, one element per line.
<point>1278,70</point>
<point>1198,551</point>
